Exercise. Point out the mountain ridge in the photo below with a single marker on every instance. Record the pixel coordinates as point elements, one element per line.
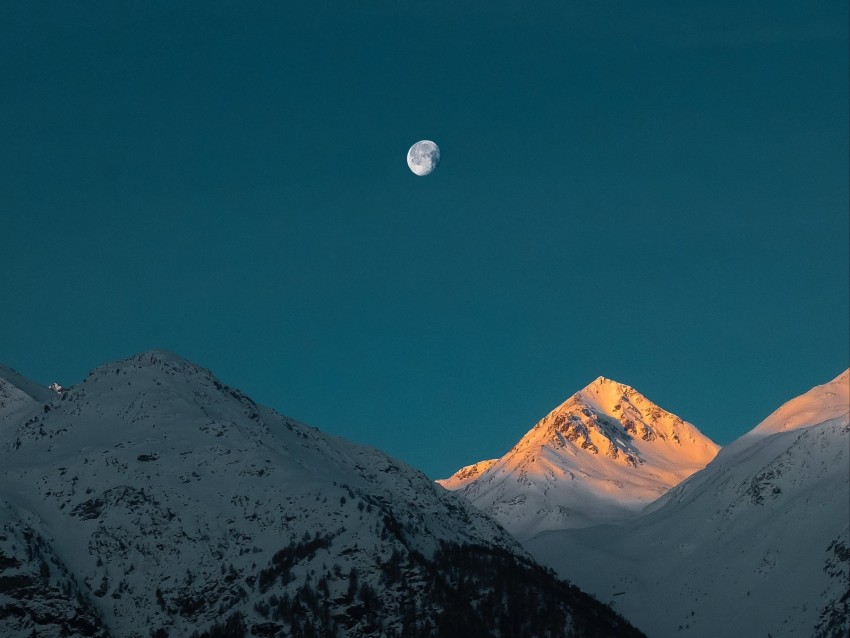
<point>167,503</point>
<point>756,543</point>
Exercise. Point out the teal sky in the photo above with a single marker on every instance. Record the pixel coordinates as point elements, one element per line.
<point>652,192</point>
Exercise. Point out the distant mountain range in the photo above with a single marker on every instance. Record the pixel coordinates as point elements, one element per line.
<point>601,456</point>
<point>153,500</point>
<point>755,544</point>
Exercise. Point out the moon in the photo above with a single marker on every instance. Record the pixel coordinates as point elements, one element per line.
<point>423,157</point>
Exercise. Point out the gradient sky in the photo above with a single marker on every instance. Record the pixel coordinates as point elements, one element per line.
<point>652,192</point>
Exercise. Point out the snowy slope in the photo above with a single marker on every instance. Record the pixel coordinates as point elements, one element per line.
<point>19,395</point>
<point>36,588</point>
<point>820,404</point>
<point>173,502</point>
<point>600,456</point>
<point>467,474</point>
<point>754,545</point>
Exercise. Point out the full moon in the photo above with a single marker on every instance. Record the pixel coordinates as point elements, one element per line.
<point>423,157</point>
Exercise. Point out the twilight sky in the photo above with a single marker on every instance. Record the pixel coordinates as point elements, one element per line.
<point>645,191</point>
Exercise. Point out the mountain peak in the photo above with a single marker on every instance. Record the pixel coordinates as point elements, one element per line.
<point>822,403</point>
<point>149,370</point>
<point>606,401</point>
<point>600,456</point>
<point>604,390</point>
<point>162,359</point>
<point>157,392</point>
<point>601,382</point>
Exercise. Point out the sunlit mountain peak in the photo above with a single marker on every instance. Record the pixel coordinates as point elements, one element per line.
<point>600,456</point>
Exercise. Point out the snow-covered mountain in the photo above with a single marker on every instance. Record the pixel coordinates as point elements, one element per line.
<point>601,456</point>
<point>153,500</point>
<point>756,544</point>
